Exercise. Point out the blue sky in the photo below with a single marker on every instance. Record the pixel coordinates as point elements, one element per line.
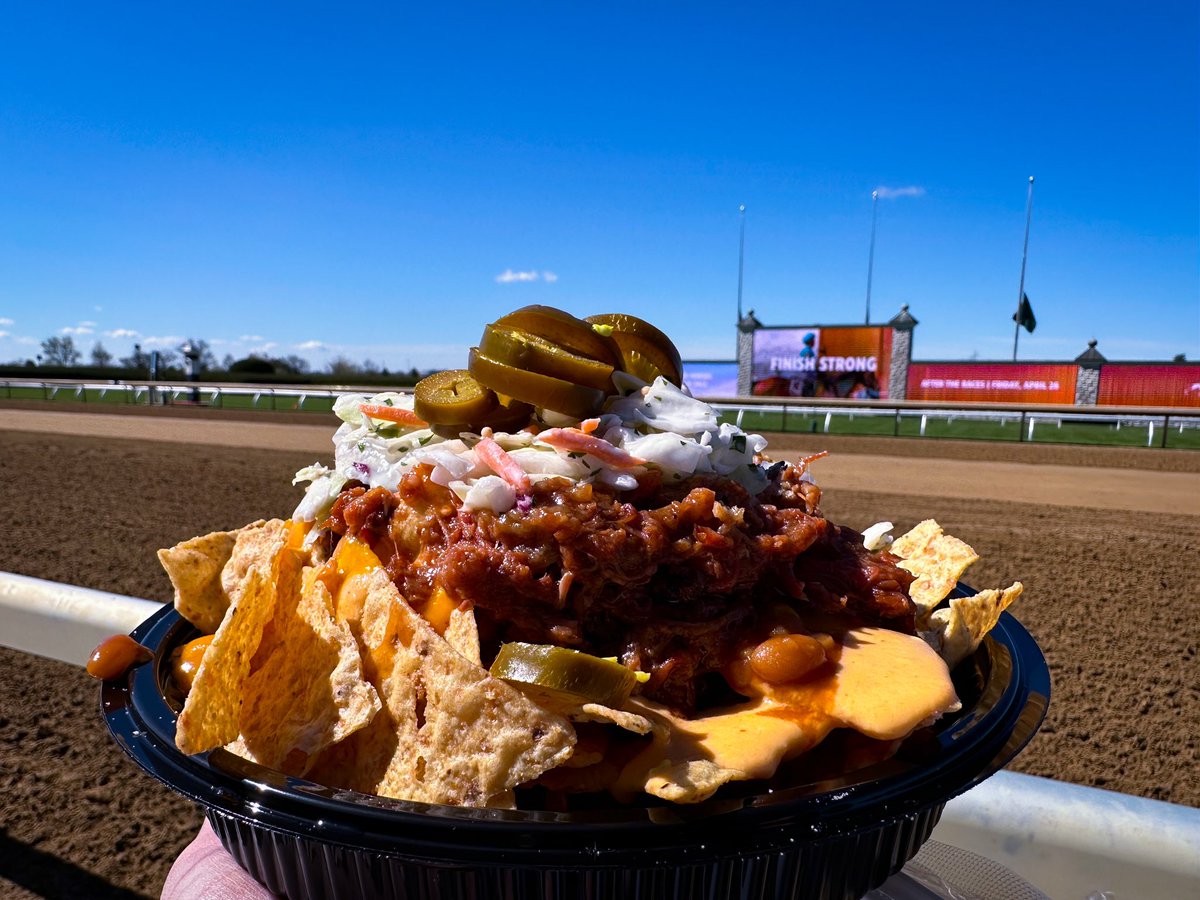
<point>358,181</point>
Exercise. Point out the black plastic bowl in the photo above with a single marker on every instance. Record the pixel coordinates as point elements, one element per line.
<point>829,838</point>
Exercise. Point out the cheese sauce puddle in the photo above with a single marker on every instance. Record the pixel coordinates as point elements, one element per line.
<point>881,683</point>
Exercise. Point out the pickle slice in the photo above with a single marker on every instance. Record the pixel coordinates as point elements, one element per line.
<point>644,348</point>
<point>509,416</point>
<point>559,676</point>
<point>454,395</point>
<point>564,329</point>
<point>529,351</point>
<point>543,391</point>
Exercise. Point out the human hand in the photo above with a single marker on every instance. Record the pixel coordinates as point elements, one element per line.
<point>206,871</point>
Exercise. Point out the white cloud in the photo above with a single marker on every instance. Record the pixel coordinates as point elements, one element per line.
<point>3,334</point>
<point>7,322</point>
<point>264,348</point>
<point>549,277</point>
<point>251,338</point>
<point>167,341</point>
<point>121,333</point>
<point>87,324</point>
<point>310,345</point>
<point>98,308</point>
<point>26,340</point>
<point>508,276</point>
<point>890,193</point>
<point>82,329</point>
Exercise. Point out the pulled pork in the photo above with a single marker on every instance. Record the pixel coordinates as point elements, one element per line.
<point>672,579</point>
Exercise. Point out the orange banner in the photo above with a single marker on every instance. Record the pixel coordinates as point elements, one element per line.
<point>1149,385</point>
<point>992,382</point>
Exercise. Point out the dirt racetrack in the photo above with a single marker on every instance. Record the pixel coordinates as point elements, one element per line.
<point>1111,596</point>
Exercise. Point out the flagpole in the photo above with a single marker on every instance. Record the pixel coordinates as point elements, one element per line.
<point>1024,256</point>
<point>741,257</point>
<point>871,253</point>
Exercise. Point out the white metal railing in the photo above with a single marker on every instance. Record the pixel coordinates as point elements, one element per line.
<point>1156,422</point>
<point>1030,420</point>
<point>153,393</point>
<point>63,621</point>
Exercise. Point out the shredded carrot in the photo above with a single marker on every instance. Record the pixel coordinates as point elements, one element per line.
<point>501,462</point>
<point>575,441</point>
<point>587,426</point>
<point>392,414</point>
<point>803,462</point>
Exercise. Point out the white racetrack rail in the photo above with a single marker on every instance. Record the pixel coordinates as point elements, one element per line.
<point>1068,841</point>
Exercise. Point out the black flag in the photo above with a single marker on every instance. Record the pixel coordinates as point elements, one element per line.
<point>1024,315</point>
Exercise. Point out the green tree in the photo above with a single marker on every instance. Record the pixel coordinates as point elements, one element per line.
<point>253,365</point>
<point>292,364</point>
<point>343,366</point>
<point>60,351</point>
<point>138,359</point>
<point>100,356</point>
<point>205,360</point>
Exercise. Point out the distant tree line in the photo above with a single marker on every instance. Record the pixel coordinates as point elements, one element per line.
<point>60,357</point>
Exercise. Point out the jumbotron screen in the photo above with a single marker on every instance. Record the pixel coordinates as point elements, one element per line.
<point>992,382</point>
<point>1149,385</point>
<point>711,379</point>
<point>822,361</point>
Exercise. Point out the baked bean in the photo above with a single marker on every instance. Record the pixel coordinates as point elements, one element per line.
<point>786,657</point>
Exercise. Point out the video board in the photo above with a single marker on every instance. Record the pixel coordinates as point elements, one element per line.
<point>821,361</point>
<point>711,379</point>
<point>992,382</point>
<point>1149,385</point>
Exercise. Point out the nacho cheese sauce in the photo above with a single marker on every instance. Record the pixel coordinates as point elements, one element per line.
<point>186,662</point>
<point>879,682</point>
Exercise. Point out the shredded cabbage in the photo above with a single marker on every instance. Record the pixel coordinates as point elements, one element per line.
<point>658,423</point>
<point>876,537</point>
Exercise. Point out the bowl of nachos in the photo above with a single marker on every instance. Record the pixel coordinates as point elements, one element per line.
<point>549,627</point>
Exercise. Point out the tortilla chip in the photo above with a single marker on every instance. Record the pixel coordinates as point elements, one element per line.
<point>210,715</point>
<point>622,718</point>
<point>915,540</point>
<point>257,544</point>
<point>958,630</point>
<point>194,568</point>
<point>449,732</point>
<point>937,559</point>
<point>309,692</point>
<point>462,633</point>
<point>691,780</point>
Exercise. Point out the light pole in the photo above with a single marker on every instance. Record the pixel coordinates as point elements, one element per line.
<point>1024,255</point>
<point>741,258</point>
<point>871,253</point>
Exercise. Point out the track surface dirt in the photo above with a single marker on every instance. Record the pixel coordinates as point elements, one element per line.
<point>1111,596</point>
